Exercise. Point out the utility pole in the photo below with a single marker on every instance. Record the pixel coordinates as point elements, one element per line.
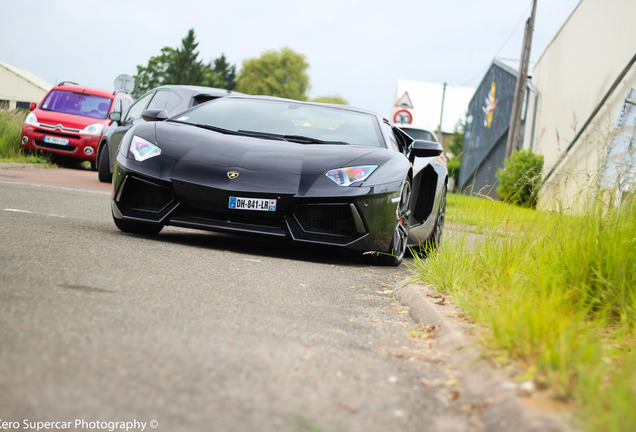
<point>441,117</point>
<point>520,89</point>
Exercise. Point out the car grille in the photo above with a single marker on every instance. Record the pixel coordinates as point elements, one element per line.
<point>50,127</point>
<point>187,217</point>
<point>142,195</point>
<point>332,219</point>
<point>59,134</point>
<point>66,148</point>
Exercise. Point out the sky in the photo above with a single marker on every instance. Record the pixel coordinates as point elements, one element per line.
<point>357,49</point>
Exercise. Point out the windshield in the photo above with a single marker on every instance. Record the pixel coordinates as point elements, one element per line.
<point>83,104</point>
<point>419,134</point>
<point>286,120</point>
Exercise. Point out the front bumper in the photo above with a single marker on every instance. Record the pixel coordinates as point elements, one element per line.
<point>80,146</point>
<point>362,220</point>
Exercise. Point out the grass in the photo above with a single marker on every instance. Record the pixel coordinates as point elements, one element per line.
<point>10,135</point>
<point>476,214</point>
<point>554,294</point>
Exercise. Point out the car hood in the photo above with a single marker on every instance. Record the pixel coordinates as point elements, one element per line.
<point>193,145</point>
<point>73,121</point>
<point>194,155</point>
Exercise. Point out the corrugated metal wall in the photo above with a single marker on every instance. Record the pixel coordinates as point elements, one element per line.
<point>485,138</point>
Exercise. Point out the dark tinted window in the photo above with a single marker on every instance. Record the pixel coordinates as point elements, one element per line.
<point>125,104</point>
<point>137,108</point>
<point>199,99</point>
<point>117,106</point>
<point>165,99</point>
<point>393,140</point>
<point>420,134</point>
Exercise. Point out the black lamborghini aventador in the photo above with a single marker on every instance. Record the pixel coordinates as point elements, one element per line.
<point>307,172</point>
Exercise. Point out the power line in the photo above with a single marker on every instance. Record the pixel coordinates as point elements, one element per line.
<point>514,30</point>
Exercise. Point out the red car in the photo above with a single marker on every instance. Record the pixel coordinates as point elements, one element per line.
<point>70,121</point>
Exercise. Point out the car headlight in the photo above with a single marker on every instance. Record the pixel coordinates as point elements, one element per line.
<point>31,120</point>
<point>94,129</point>
<point>349,175</point>
<point>143,149</point>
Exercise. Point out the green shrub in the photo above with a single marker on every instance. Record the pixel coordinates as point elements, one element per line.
<point>453,166</point>
<point>519,178</point>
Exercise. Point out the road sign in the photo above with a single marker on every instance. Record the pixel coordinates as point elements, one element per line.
<point>124,83</point>
<point>402,117</point>
<point>404,101</point>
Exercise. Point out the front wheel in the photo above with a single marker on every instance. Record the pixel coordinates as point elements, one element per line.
<point>399,241</point>
<point>103,165</point>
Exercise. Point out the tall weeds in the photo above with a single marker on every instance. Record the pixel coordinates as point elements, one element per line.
<point>10,135</point>
<point>555,294</point>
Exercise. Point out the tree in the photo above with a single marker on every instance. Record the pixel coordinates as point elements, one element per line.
<point>181,66</point>
<point>184,68</point>
<point>153,74</point>
<point>455,146</point>
<point>456,143</point>
<point>335,99</point>
<point>221,75</point>
<point>275,73</point>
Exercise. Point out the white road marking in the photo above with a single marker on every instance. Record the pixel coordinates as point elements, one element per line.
<point>52,186</point>
<point>32,212</point>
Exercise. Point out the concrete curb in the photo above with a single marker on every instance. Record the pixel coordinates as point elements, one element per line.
<point>489,398</point>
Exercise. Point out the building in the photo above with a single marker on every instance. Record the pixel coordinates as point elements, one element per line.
<point>434,107</point>
<point>487,124</point>
<point>18,87</point>
<point>585,116</point>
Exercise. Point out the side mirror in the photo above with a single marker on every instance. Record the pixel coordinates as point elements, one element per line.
<point>154,115</point>
<point>115,116</point>
<point>33,106</point>
<point>422,148</point>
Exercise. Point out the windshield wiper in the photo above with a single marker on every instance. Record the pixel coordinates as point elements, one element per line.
<point>292,138</point>
<point>208,127</point>
<point>256,134</point>
<point>309,140</point>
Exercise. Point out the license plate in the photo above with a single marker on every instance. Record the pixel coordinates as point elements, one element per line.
<point>261,204</point>
<point>55,140</point>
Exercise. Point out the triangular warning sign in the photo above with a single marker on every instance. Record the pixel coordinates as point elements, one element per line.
<point>404,101</point>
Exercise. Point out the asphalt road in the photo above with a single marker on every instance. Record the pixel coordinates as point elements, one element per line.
<point>195,331</point>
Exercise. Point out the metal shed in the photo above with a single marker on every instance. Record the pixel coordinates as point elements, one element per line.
<point>487,125</point>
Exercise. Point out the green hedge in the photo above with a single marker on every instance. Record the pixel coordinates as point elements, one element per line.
<point>520,178</point>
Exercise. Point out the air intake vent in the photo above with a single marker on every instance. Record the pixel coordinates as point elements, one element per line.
<point>333,219</point>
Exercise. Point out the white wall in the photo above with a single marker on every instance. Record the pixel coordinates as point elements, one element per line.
<point>572,76</point>
<point>19,85</point>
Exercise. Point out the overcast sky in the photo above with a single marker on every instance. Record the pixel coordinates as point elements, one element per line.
<point>357,49</point>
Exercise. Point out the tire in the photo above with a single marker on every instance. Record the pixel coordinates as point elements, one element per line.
<point>399,241</point>
<point>137,227</point>
<point>103,165</point>
<point>435,239</point>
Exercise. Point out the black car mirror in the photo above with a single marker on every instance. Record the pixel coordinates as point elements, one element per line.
<point>154,115</point>
<point>423,148</point>
<point>115,116</point>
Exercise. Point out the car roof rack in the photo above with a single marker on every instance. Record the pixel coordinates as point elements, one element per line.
<point>67,82</point>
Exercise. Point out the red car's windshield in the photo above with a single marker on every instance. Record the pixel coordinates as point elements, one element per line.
<point>83,104</point>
